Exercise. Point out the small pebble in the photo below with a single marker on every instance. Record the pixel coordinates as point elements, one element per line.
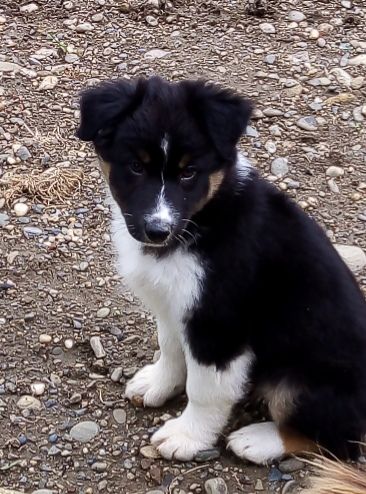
<point>216,486</point>
<point>103,312</point>
<point>296,16</point>
<point>267,28</point>
<point>45,338</point>
<point>99,466</point>
<point>279,167</point>
<point>38,388</point>
<point>334,171</point>
<point>307,123</point>
<point>207,455</point>
<point>119,415</point>
<point>97,347</point>
<point>150,452</point>
<point>84,431</point>
<point>291,465</point>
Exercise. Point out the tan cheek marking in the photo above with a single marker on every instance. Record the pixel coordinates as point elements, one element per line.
<point>296,443</point>
<point>144,156</point>
<point>184,161</point>
<point>215,181</point>
<point>106,169</point>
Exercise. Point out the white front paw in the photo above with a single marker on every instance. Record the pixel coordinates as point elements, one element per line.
<point>154,384</point>
<point>179,440</point>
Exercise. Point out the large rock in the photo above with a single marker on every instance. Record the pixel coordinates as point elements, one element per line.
<point>353,256</point>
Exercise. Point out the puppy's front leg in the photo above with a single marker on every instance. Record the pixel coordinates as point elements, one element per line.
<point>156,383</point>
<point>211,396</point>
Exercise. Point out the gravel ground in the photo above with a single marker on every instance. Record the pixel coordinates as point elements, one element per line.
<point>65,427</point>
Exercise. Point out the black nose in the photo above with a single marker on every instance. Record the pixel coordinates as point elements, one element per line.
<point>157,231</point>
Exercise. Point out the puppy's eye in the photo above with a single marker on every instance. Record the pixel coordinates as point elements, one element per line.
<point>136,168</point>
<point>188,173</point>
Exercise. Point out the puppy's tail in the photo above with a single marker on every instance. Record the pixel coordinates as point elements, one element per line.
<point>335,477</point>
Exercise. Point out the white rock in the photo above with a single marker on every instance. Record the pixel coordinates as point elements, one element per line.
<point>358,60</point>
<point>9,67</point>
<point>334,171</point>
<point>314,34</point>
<point>45,338</point>
<point>151,21</point>
<point>38,388</point>
<point>358,82</point>
<point>49,82</point>
<point>97,347</point>
<point>69,343</point>
<point>342,76</point>
<point>29,8</point>
<point>84,431</point>
<point>353,256</point>
<point>21,209</point>
<point>84,27</point>
<point>279,167</point>
<point>103,312</point>
<point>156,53</point>
<point>117,374</point>
<point>296,16</point>
<point>29,402</point>
<point>2,19</point>
<point>267,28</point>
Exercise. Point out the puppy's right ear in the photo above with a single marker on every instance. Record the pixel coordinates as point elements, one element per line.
<point>103,105</point>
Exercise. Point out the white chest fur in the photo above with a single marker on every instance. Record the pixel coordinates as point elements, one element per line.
<point>169,286</point>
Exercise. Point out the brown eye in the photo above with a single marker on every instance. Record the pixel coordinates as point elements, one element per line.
<point>188,173</point>
<point>137,168</point>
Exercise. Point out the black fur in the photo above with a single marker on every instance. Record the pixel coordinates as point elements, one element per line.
<point>273,283</point>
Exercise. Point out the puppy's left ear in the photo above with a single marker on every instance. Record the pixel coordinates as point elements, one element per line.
<point>103,105</point>
<point>223,114</point>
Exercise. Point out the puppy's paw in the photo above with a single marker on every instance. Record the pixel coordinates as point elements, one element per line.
<point>154,385</point>
<point>258,443</point>
<point>177,440</point>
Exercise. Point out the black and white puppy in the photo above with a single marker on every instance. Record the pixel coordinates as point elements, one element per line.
<point>249,294</point>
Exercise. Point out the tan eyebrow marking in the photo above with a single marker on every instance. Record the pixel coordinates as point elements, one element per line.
<point>184,161</point>
<point>144,156</point>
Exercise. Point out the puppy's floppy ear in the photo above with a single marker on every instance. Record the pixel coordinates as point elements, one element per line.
<point>103,105</point>
<point>221,113</point>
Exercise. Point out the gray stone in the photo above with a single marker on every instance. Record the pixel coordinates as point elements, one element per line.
<point>251,131</point>
<point>9,67</point>
<point>272,112</point>
<point>279,167</point>
<point>72,58</point>
<point>28,402</point>
<point>156,53</point>
<point>353,256</point>
<point>99,466</point>
<point>97,347</point>
<point>267,28</point>
<point>4,219</point>
<point>119,415</point>
<point>29,8</point>
<point>207,455</point>
<point>334,171</point>
<point>216,486</point>
<point>84,431</point>
<point>23,153</point>
<point>43,491</point>
<point>84,27</point>
<point>296,16</point>
<point>32,231</point>
<point>150,452</point>
<point>103,312</point>
<point>270,59</point>
<point>307,123</point>
<point>117,374</point>
<point>152,21</point>
<point>291,465</point>
<point>358,60</point>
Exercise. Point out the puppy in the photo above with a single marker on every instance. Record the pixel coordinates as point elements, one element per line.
<point>248,292</point>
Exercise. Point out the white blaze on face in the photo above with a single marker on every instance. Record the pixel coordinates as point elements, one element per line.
<point>165,145</point>
<point>163,212</point>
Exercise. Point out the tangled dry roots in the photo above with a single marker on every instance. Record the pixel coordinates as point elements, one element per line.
<point>54,185</point>
<point>335,477</point>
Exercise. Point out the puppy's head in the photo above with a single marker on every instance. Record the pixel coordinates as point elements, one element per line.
<point>165,148</point>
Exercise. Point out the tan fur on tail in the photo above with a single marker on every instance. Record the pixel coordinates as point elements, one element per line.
<point>335,477</point>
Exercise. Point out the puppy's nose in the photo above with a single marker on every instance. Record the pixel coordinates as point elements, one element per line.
<point>157,231</point>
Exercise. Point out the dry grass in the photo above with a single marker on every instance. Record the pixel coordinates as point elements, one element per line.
<point>50,186</point>
<point>335,477</point>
